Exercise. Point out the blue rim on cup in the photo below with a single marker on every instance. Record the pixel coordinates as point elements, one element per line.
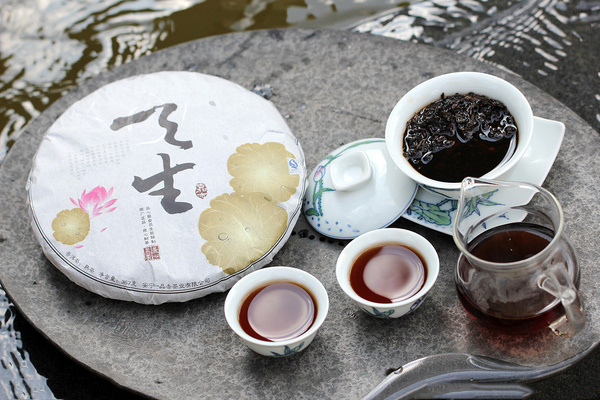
<point>238,293</point>
<point>380,237</point>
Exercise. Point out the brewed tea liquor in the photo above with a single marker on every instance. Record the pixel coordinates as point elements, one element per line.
<point>279,311</point>
<point>388,274</point>
<point>505,244</point>
<point>460,135</point>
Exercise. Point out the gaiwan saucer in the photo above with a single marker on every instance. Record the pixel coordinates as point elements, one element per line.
<point>437,211</point>
<point>356,189</point>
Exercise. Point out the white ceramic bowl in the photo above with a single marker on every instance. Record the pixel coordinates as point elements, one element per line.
<point>450,84</point>
<point>380,237</point>
<point>262,277</point>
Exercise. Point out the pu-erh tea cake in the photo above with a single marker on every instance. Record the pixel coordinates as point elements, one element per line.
<point>165,187</point>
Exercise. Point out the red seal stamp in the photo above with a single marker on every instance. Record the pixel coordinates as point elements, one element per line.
<point>201,190</point>
<point>151,253</point>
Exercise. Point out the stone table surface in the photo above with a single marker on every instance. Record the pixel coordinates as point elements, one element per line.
<point>333,87</point>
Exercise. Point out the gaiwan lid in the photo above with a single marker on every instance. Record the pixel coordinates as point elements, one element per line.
<point>356,189</point>
<point>165,187</point>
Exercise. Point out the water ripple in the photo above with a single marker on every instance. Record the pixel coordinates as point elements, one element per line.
<point>551,33</point>
<point>18,377</point>
<point>48,47</point>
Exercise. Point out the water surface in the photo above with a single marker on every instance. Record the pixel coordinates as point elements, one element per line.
<point>48,47</point>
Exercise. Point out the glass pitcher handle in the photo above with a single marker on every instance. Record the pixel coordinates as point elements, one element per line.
<point>558,283</point>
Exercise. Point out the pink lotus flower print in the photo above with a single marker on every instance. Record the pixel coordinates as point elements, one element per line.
<point>319,173</point>
<point>96,202</point>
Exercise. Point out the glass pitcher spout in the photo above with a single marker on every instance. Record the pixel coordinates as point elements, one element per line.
<point>486,204</point>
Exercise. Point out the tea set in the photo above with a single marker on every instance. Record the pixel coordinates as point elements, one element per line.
<point>360,189</point>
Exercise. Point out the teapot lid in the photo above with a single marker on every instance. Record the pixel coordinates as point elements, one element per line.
<point>355,189</point>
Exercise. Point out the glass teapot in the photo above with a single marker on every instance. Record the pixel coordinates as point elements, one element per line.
<point>517,272</point>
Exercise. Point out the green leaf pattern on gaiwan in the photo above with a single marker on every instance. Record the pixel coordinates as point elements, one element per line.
<point>483,200</point>
<point>436,214</point>
<point>440,213</point>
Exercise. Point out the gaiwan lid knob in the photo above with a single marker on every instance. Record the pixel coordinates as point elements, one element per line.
<point>351,171</point>
<point>355,189</point>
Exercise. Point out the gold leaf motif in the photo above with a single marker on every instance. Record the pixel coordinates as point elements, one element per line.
<point>240,229</point>
<point>71,226</point>
<point>263,168</point>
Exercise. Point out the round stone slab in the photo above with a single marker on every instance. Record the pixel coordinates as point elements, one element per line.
<point>165,187</point>
<point>332,87</point>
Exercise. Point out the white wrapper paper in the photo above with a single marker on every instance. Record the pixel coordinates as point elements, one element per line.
<point>165,187</point>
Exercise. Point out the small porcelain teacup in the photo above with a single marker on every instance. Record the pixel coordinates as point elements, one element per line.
<point>447,85</point>
<point>374,242</point>
<point>249,284</point>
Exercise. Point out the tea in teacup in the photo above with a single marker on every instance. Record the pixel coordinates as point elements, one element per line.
<point>279,290</point>
<point>388,273</point>
<point>278,311</point>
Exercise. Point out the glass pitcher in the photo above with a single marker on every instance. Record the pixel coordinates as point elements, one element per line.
<point>517,273</point>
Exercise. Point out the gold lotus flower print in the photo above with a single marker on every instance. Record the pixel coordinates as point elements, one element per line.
<point>71,226</point>
<point>263,168</point>
<point>239,229</point>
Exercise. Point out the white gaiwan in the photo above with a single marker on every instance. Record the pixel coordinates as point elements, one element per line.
<point>450,84</point>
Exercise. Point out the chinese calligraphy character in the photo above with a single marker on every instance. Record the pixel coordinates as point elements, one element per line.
<point>168,191</point>
<point>170,126</point>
